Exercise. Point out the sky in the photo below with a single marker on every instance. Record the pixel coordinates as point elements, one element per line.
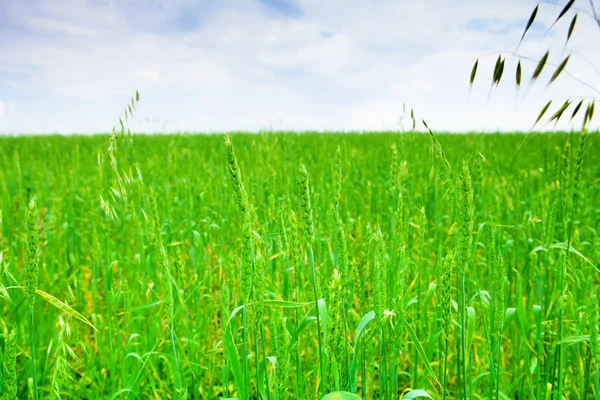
<point>227,65</point>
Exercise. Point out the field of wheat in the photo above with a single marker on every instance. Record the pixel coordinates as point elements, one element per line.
<point>292,266</point>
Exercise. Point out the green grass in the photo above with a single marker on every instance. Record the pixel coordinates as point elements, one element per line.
<point>244,280</point>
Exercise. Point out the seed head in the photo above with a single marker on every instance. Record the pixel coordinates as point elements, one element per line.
<point>579,164</point>
<point>498,281</point>
<point>258,291</point>
<point>592,314</point>
<point>243,206</point>
<point>32,258</point>
<point>9,361</point>
<point>306,208</point>
<point>338,177</point>
<point>394,168</point>
<point>379,276</point>
<point>467,216</point>
<point>167,286</point>
<point>280,349</point>
<point>335,339</point>
<point>342,254</point>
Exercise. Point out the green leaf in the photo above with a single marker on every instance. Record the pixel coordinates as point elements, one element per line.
<point>421,351</point>
<point>305,322</point>
<point>519,74</point>
<point>573,250</point>
<point>234,362</point>
<point>559,69</point>
<point>235,311</point>
<point>537,314</point>
<point>362,325</point>
<point>116,395</point>
<point>530,22</point>
<point>430,293</point>
<point>470,329</point>
<point>64,308</point>
<point>260,379</point>
<point>413,394</point>
<point>156,303</point>
<point>572,27</point>
<point>285,303</point>
<point>323,317</point>
<point>541,114</point>
<point>341,396</point>
<point>540,67</point>
<point>576,339</point>
<point>509,316</point>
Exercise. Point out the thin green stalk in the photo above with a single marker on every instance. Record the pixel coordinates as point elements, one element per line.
<point>347,360</point>
<point>560,336</point>
<point>382,367</point>
<point>540,349</point>
<point>245,352</point>
<point>32,347</point>
<point>445,374</point>
<point>264,354</point>
<point>175,360</point>
<point>597,391</point>
<point>587,365</point>
<point>498,351</point>
<point>311,259</point>
<point>299,391</point>
<point>463,337</point>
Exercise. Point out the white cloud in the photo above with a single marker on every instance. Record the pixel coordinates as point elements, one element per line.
<point>336,66</point>
<point>148,74</point>
<point>57,26</point>
<point>2,109</point>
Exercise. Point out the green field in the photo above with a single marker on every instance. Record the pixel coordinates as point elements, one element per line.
<point>151,268</point>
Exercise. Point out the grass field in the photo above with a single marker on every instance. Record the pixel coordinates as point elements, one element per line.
<point>286,266</point>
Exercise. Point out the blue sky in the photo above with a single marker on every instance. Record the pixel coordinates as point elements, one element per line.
<point>70,66</point>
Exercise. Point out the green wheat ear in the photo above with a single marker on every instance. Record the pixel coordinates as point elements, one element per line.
<point>338,177</point>
<point>9,367</point>
<point>167,287</point>
<point>379,278</point>
<point>467,216</point>
<point>305,205</point>
<point>335,339</point>
<point>394,168</point>
<point>498,282</point>
<point>31,261</point>
<point>592,325</point>
<point>243,207</point>
<point>281,341</point>
<point>259,290</point>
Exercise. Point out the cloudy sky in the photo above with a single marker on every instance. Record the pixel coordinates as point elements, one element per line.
<point>222,65</point>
